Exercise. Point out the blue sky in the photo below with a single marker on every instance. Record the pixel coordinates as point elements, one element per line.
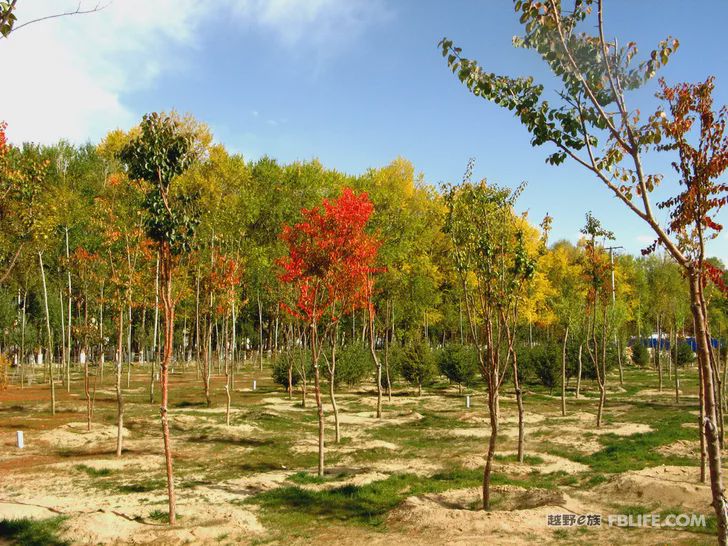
<point>354,83</point>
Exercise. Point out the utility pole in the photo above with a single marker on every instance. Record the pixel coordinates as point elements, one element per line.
<point>611,250</point>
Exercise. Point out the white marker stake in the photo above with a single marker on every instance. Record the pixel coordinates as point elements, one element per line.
<point>20,439</point>
<point>254,384</point>
<point>467,401</point>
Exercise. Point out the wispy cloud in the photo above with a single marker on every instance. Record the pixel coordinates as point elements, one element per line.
<point>68,78</point>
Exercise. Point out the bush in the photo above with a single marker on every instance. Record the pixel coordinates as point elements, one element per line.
<point>416,363</point>
<point>459,363</point>
<point>293,358</point>
<point>542,364</point>
<point>640,354</point>
<point>685,354</point>
<point>353,364</point>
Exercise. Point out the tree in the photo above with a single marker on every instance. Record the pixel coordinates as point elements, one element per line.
<point>329,262</point>
<point>598,298</point>
<point>163,149</point>
<point>595,76</point>
<point>459,363</point>
<point>494,265</point>
<point>416,363</point>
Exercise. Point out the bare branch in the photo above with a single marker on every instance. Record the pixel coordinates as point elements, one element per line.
<point>77,11</point>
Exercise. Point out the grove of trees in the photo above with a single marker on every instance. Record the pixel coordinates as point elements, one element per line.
<point>162,252</point>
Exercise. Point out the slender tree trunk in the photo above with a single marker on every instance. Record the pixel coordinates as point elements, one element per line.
<point>155,333</point>
<point>710,417</point>
<point>319,402</point>
<point>22,340</point>
<point>227,378</point>
<point>70,298</point>
<point>128,349</point>
<point>519,403</point>
<point>234,347</point>
<point>48,331</point>
<point>119,397</point>
<point>377,363</point>
<point>618,343</point>
<point>658,353</point>
<point>332,387</point>
<point>260,330</point>
<point>677,378</point>
<point>493,408</point>
<point>65,369</point>
<point>563,372</point>
<point>165,259</point>
<point>578,373</point>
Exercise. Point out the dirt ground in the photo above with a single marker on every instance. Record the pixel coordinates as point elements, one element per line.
<point>224,472</point>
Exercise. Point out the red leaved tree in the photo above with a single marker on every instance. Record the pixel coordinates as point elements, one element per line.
<point>329,263</point>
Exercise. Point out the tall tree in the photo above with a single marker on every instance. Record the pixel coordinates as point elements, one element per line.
<point>493,263</point>
<point>163,149</point>
<point>330,260</point>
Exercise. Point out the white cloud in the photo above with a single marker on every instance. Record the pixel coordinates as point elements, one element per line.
<point>315,21</point>
<point>68,78</point>
<point>645,239</point>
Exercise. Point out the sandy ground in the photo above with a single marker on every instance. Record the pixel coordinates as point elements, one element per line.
<point>45,479</point>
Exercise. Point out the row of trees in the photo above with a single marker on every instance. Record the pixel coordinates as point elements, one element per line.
<point>103,243</point>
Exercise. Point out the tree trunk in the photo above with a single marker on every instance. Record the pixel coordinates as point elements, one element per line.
<point>578,373</point>
<point>207,335</point>
<point>70,298</point>
<point>119,398</point>
<point>227,377</point>
<point>493,412</point>
<point>332,388</point>
<point>519,402</point>
<point>260,331</point>
<point>709,424</point>
<point>377,363</point>
<point>65,369</point>
<point>563,372</point>
<point>50,338</point>
<point>677,378</point>
<point>165,258</point>
<point>319,402</point>
<point>658,353</point>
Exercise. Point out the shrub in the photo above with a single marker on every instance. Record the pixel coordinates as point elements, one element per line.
<point>541,363</point>
<point>640,354</point>
<point>416,362</point>
<point>294,359</point>
<point>459,363</point>
<point>353,364</point>
<point>685,354</point>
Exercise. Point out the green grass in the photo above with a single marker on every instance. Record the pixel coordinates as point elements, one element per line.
<point>162,516</point>
<point>94,472</point>
<point>141,487</point>
<point>303,478</point>
<point>367,504</point>
<point>30,532</point>
<point>624,453</point>
<point>528,459</point>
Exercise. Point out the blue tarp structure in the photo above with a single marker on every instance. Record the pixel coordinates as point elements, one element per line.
<point>664,343</point>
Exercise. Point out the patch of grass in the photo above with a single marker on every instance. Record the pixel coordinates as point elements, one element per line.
<point>528,459</point>
<point>596,479</point>
<point>303,478</point>
<point>624,453</point>
<point>162,516</point>
<point>30,532</point>
<point>94,472</point>
<point>141,487</point>
<point>365,504</point>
